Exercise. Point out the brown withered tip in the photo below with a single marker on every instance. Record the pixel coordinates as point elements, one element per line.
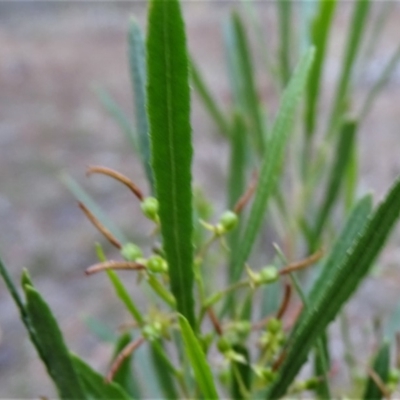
<point>100,227</point>
<point>98,169</point>
<point>125,352</point>
<point>122,265</point>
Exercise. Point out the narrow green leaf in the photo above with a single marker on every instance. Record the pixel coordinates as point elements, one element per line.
<point>381,367</point>
<point>53,348</point>
<point>273,160</point>
<point>236,181</point>
<point>380,83</point>
<point>137,61</point>
<point>170,131</point>
<point>336,177</point>
<point>376,29</point>
<point>336,289</point>
<point>356,30</point>
<point>209,102</point>
<point>285,35</point>
<point>21,306</point>
<point>232,62</point>
<point>198,361</point>
<point>237,162</point>
<point>125,377</point>
<point>320,28</point>
<point>120,289</point>
<point>119,116</point>
<point>94,384</point>
<point>80,193</point>
<point>162,371</point>
<point>354,224</point>
<point>248,89</point>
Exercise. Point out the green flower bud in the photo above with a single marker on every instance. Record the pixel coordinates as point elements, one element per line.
<point>228,220</point>
<point>223,345</point>
<point>274,325</point>
<point>268,274</point>
<point>156,264</point>
<point>152,331</point>
<point>131,252</point>
<point>149,207</point>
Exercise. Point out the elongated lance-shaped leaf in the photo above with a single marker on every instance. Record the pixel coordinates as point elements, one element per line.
<point>80,193</point>
<point>381,368</point>
<point>285,34</point>
<point>380,83</point>
<point>273,160</point>
<point>94,384</point>
<point>21,306</point>
<point>248,89</point>
<point>170,131</point>
<point>52,346</point>
<point>320,28</point>
<point>337,288</point>
<point>356,29</point>
<point>137,62</point>
<point>209,102</point>
<point>125,377</point>
<point>119,116</point>
<point>336,177</point>
<point>198,361</point>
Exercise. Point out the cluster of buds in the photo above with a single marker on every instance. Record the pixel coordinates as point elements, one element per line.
<point>154,264</point>
<point>272,340</point>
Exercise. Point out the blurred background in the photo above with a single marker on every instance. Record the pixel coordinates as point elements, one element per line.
<point>52,57</point>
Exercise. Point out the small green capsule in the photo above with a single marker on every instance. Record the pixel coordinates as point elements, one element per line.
<point>228,220</point>
<point>131,252</point>
<point>268,274</point>
<point>157,264</point>
<point>149,207</point>
<point>274,325</point>
<point>223,345</point>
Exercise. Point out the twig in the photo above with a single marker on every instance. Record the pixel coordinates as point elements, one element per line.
<point>285,302</point>
<point>302,263</point>
<point>247,194</point>
<point>214,320</point>
<point>129,265</point>
<point>126,352</point>
<point>106,233</point>
<point>118,176</point>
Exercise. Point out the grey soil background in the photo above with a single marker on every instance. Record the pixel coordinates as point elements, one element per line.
<point>52,55</point>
